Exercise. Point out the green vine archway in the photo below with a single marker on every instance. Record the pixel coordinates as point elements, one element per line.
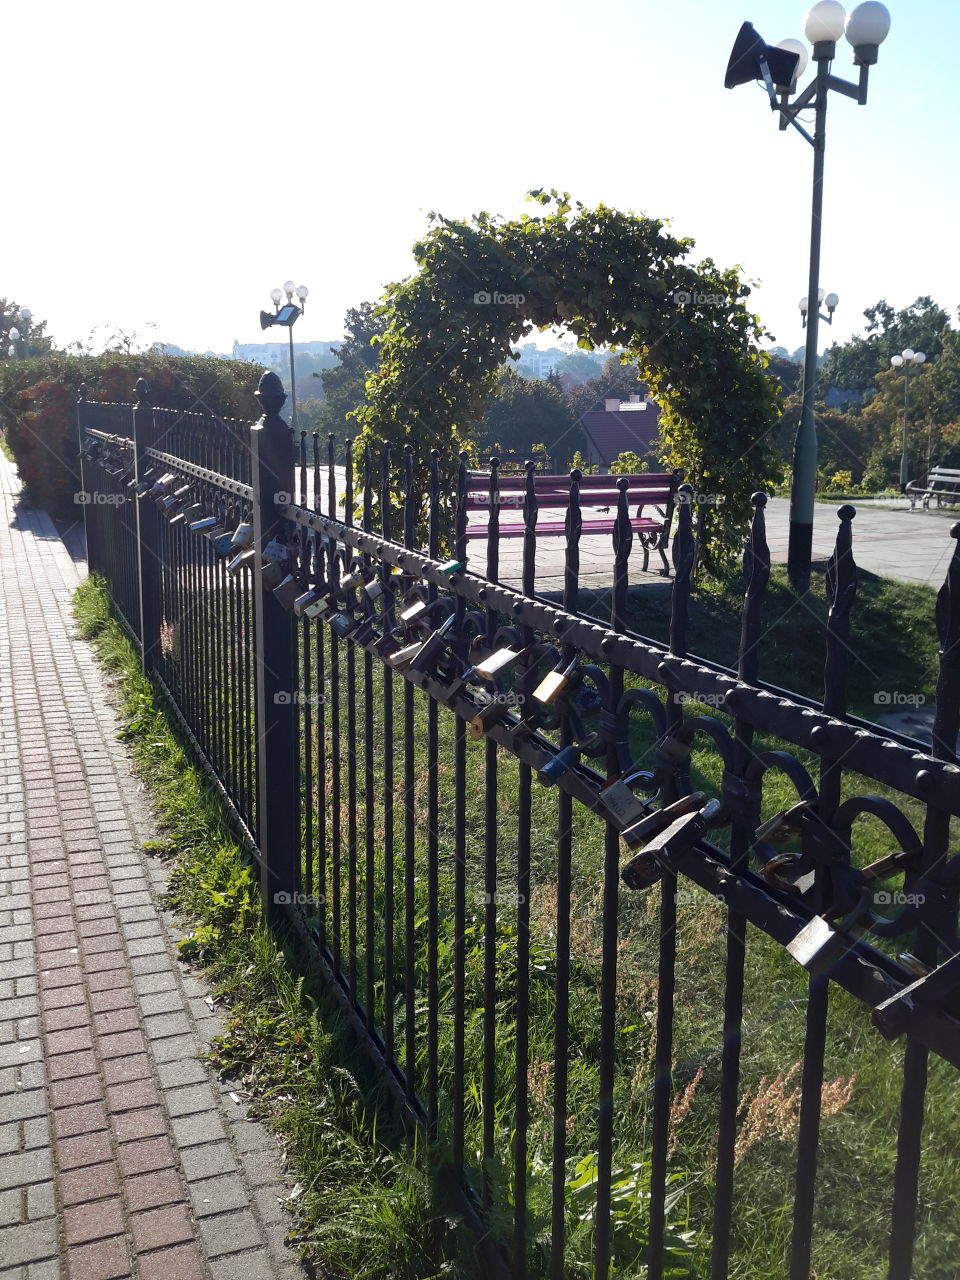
<point>610,278</point>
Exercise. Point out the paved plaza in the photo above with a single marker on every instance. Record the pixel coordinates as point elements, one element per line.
<point>120,1152</point>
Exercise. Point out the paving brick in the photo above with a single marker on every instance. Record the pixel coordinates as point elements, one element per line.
<point>145,1156</point>
<point>84,1222</point>
<point>123,1019</point>
<point>158,1227</point>
<point>23,1168</point>
<point>171,1074</point>
<point>190,1099</point>
<point>71,1015</point>
<point>64,996</point>
<point>229,1233</point>
<point>94,1182</point>
<point>120,997</point>
<point>120,1070</point>
<point>205,1126</point>
<point>69,1041</point>
<point>28,1242</point>
<point>71,1064</point>
<point>41,1200</point>
<point>128,1097</point>
<point>89,1148</point>
<point>180,1263</point>
<point>151,1190</point>
<point>175,1048</point>
<point>22,1105</point>
<point>120,1044</point>
<point>131,1126</point>
<point>244,1266</point>
<point>147,983</point>
<point>75,1091</point>
<point>71,1121</point>
<point>218,1195</point>
<point>104,1260</point>
<point>207,1161</point>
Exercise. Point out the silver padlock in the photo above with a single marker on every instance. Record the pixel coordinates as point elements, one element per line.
<point>623,805</point>
<point>819,945</point>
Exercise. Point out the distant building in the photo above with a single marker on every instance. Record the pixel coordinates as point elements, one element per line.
<point>276,355</point>
<point>621,426</point>
<point>534,363</point>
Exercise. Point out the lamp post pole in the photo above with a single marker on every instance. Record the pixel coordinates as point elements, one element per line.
<point>907,359</point>
<point>804,486</point>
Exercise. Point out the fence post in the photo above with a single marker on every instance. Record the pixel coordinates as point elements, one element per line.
<point>147,522</point>
<point>278,824</point>
<point>81,409</point>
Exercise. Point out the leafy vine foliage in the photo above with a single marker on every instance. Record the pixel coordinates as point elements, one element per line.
<point>610,278</point>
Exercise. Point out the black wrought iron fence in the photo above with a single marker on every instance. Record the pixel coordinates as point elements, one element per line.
<point>545,974</point>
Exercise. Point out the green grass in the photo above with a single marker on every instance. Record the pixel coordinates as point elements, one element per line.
<point>367,1210</point>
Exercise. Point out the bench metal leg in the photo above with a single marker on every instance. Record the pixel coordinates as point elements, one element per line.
<point>665,571</point>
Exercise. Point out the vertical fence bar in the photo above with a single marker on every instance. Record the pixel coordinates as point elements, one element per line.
<point>433,840</point>
<point>490,824</point>
<point>351,759</point>
<point>317,571</point>
<point>684,554</point>
<point>369,875</point>
<point>622,544</point>
<point>743,803</point>
<point>277,777</point>
<point>841,586</point>
<point>148,562</point>
<point>409,824</point>
<point>336,845</point>
<point>386,675</point>
<point>460,851</point>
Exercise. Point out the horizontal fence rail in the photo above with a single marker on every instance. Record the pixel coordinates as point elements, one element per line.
<point>506,822</point>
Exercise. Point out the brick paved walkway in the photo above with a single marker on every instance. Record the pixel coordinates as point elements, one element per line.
<point>120,1154</point>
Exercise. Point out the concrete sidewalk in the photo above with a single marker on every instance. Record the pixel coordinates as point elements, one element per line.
<point>120,1153</point>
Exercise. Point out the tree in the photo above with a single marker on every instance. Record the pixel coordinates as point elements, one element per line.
<point>345,385</point>
<point>520,413</point>
<point>854,365</point>
<point>33,335</point>
<point>581,365</point>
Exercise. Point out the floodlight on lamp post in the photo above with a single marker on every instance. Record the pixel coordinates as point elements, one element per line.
<point>287,315</point>
<point>907,359</point>
<point>779,67</point>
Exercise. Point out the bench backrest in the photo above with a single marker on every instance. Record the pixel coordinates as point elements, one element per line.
<point>553,492</point>
<point>943,475</point>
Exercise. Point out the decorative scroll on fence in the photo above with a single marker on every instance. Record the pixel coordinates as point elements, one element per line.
<point>376,714</point>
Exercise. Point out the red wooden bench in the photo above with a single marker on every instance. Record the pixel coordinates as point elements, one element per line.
<point>598,506</point>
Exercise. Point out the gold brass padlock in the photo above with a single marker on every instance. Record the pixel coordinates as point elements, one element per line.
<point>554,683</point>
<point>492,713</point>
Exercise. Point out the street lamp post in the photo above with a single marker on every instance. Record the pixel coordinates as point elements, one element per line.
<point>287,315</point>
<point>779,67</point>
<point>908,359</point>
<point>20,342</point>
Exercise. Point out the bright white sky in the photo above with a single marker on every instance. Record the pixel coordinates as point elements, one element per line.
<point>171,163</point>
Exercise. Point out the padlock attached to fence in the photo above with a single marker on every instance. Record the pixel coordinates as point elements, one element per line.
<point>665,835</point>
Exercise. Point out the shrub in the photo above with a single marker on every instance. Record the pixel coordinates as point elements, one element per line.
<point>38,407</point>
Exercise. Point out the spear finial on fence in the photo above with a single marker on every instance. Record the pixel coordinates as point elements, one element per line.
<point>947,719</point>
<point>270,393</point>
<point>756,574</point>
<point>684,554</point>
<point>841,589</point>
